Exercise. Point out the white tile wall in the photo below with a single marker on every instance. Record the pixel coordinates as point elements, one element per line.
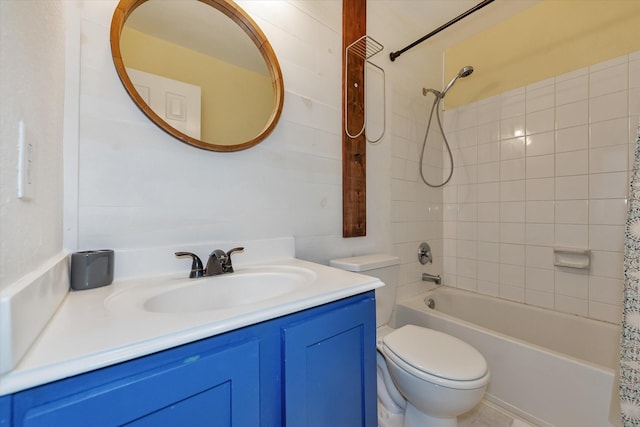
<point>417,210</point>
<point>551,168</point>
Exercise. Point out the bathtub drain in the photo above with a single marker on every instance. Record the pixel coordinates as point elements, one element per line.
<point>430,302</point>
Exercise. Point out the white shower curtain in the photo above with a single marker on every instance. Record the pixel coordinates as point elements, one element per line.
<point>630,340</point>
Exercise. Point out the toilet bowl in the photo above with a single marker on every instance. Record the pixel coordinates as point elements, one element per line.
<point>439,375</point>
<point>425,378</point>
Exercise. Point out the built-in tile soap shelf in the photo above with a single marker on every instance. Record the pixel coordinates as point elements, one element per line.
<point>572,257</point>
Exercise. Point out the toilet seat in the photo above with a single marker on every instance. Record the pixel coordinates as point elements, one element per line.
<point>381,332</point>
<point>436,357</point>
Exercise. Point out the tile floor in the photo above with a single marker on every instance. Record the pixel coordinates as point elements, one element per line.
<point>486,414</point>
<point>489,415</point>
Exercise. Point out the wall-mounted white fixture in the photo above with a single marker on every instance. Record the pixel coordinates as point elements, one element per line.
<point>572,257</point>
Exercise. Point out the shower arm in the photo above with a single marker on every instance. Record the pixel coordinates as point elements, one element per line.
<point>437,93</point>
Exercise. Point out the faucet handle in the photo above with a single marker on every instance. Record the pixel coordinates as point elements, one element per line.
<point>424,254</point>
<point>238,249</point>
<point>228,267</point>
<point>196,264</point>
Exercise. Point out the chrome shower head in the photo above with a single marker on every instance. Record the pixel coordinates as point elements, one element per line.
<point>464,72</point>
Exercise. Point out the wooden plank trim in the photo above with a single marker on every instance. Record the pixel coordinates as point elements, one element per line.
<point>354,158</point>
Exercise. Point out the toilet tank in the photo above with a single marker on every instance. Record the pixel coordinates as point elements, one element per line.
<point>381,266</point>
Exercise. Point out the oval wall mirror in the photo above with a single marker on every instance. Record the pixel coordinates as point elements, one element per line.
<point>202,70</point>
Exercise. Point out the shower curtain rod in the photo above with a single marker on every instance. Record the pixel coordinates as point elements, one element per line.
<point>394,55</point>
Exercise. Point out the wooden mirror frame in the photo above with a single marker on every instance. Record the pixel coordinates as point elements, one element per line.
<point>242,19</point>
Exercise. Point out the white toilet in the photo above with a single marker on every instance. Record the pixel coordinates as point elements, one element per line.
<point>425,378</point>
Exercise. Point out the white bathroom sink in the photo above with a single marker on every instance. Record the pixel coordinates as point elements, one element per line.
<point>245,286</point>
<point>224,291</point>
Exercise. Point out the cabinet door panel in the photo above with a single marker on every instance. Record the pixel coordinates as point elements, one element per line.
<point>330,371</point>
<point>214,388</point>
<point>211,407</point>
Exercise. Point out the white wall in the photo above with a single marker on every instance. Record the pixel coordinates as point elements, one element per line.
<point>134,186</point>
<point>139,187</point>
<point>32,89</point>
<point>541,166</point>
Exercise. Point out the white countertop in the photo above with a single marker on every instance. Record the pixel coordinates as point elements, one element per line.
<point>85,334</point>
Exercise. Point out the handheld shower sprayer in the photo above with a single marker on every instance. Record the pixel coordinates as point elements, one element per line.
<point>464,72</point>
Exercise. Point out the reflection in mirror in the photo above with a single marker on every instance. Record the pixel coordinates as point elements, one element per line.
<point>201,70</point>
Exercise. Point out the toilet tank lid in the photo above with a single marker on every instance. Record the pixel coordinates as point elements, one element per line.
<point>365,262</point>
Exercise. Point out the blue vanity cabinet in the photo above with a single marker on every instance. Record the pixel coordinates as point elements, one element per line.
<point>212,382</point>
<point>330,368</point>
<point>5,411</point>
<point>321,360</point>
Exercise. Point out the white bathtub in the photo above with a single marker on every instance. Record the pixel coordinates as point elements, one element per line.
<point>550,368</point>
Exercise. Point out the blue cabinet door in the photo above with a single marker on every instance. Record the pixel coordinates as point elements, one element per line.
<point>189,387</point>
<point>5,411</point>
<point>330,368</point>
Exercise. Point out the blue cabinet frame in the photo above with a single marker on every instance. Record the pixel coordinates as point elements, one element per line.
<point>5,411</point>
<point>311,368</point>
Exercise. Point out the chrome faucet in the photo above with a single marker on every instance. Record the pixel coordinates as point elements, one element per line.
<point>426,277</point>
<point>425,256</point>
<point>219,263</point>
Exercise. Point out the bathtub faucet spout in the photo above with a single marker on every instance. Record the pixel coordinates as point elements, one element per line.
<point>426,277</point>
